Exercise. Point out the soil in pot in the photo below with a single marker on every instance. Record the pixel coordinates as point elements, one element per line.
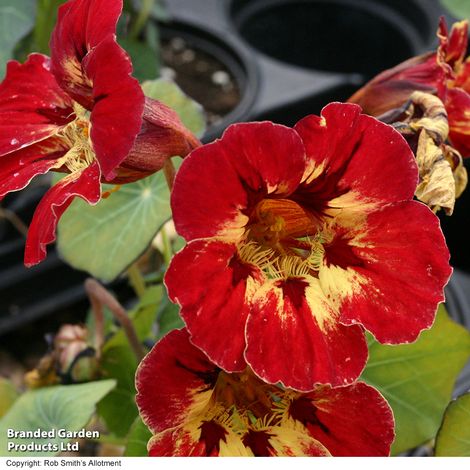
<point>201,76</point>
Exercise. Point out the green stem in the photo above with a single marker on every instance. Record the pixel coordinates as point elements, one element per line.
<point>167,250</point>
<point>45,20</point>
<point>136,280</point>
<point>169,171</point>
<point>142,18</point>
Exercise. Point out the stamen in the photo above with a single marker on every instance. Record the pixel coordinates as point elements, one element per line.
<point>253,253</point>
<point>76,136</point>
<point>261,424</point>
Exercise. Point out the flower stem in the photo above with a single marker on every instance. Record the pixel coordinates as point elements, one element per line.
<point>167,250</point>
<point>136,280</point>
<point>170,172</point>
<point>99,296</point>
<point>14,220</point>
<point>142,18</point>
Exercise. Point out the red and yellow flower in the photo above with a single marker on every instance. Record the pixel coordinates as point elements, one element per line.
<point>196,409</point>
<point>82,113</point>
<point>444,73</point>
<point>299,238</point>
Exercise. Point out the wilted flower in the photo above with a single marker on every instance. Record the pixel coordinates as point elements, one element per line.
<point>196,409</point>
<point>71,359</point>
<point>80,113</point>
<point>424,124</point>
<point>444,73</point>
<point>299,238</point>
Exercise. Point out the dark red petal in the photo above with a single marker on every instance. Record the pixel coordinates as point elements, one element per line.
<point>85,184</point>
<point>17,169</point>
<point>402,278</point>
<point>212,298</point>
<point>278,441</point>
<point>349,421</point>
<point>293,319</point>
<point>32,105</point>
<point>218,184</point>
<point>116,117</point>
<point>268,157</point>
<point>359,153</point>
<point>174,382</point>
<point>81,26</point>
<point>161,136</point>
<point>458,110</point>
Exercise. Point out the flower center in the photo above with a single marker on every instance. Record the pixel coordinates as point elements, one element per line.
<point>283,239</point>
<point>76,136</point>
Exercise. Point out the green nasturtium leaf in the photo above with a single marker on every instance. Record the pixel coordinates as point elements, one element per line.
<point>144,58</point>
<point>16,20</point>
<point>105,239</point>
<point>8,395</point>
<point>417,379</point>
<point>143,317</point>
<point>169,93</point>
<point>453,439</point>
<point>168,317</point>
<point>459,8</point>
<point>118,361</point>
<point>137,439</point>
<point>68,407</point>
<point>118,409</point>
<point>46,18</point>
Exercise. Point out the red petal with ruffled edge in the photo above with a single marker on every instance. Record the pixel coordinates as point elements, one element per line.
<point>32,105</point>
<point>392,276</point>
<point>96,72</point>
<point>182,378</point>
<point>17,169</point>
<point>116,117</point>
<point>212,298</point>
<point>217,183</point>
<point>349,421</point>
<point>353,155</point>
<point>81,26</point>
<point>85,184</point>
<point>294,319</point>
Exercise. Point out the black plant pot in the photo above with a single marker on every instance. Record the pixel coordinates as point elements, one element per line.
<point>306,53</point>
<point>232,59</point>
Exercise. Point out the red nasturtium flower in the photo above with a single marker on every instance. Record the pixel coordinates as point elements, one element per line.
<point>81,113</point>
<point>443,72</point>
<point>299,238</point>
<point>196,409</point>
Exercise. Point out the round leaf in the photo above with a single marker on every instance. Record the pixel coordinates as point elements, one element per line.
<point>8,395</point>
<point>417,379</point>
<point>105,239</point>
<point>16,20</point>
<point>67,407</point>
<point>453,439</point>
